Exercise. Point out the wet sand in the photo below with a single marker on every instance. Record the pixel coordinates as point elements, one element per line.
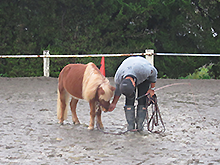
<point>30,134</point>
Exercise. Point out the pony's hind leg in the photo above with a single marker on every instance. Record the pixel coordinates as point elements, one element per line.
<point>62,102</point>
<point>73,104</point>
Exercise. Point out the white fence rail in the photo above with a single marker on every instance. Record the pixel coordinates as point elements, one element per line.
<point>149,55</point>
<point>185,54</point>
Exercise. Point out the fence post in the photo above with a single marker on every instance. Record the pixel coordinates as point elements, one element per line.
<point>46,61</point>
<point>150,57</point>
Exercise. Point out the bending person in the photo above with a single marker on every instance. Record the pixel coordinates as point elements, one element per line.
<point>134,73</point>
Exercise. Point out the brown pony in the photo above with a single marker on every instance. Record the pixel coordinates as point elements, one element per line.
<point>83,81</point>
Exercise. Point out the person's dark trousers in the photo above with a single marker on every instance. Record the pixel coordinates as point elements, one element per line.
<point>141,108</point>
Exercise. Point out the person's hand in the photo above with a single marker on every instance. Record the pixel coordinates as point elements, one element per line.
<point>151,92</point>
<point>111,107</point>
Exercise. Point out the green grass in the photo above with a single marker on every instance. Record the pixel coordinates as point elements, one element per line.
<point>200,73</point>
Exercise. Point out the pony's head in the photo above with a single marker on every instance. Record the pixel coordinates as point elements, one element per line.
<point>96,86</point>
<point>105,93</point>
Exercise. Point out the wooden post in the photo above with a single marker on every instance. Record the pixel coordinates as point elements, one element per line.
<point>150,57</point>
<point>46,61</point>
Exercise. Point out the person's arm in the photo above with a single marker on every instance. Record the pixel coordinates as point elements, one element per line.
<point>153,86</point>
<point>113,104</point>
<point>151,89</point>
<point>153,79</point>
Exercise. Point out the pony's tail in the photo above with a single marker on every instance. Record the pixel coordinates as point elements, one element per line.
<point>59,109</point>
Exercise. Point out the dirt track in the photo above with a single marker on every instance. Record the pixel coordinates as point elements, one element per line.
<point>30,134</point>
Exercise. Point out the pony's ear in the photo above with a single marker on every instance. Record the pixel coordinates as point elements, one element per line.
<point>101,91</point>
<point>113,88</point>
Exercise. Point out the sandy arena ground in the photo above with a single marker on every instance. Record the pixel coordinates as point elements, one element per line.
<point>30,134</point>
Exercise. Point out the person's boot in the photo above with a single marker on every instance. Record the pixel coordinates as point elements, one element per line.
<point>140,117</point>
<point>130,116</point>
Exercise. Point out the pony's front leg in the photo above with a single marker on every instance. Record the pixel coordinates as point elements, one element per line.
<point>99,120</point>
<point>92,114</point>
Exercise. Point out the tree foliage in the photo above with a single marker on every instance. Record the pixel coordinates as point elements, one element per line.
<point>114,26</point>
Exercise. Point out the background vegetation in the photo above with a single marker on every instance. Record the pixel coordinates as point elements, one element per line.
<point>113,26</point>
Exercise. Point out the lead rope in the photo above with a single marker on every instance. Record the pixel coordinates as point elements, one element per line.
<point>153,120</point>
<point>154,116</point>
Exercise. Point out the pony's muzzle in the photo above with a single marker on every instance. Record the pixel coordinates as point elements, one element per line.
<point>104,109</point>
<point>104,105</point>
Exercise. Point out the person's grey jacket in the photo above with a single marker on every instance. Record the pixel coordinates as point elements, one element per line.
<point>138,67</point>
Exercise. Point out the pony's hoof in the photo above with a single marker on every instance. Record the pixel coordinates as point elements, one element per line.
<point>76,123</point>
<point>61,123</point>
<point>101,127</point>
<point>90,128</point>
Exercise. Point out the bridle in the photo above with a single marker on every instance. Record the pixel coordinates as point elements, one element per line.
<point>99,105</point>
<point>98,102</point>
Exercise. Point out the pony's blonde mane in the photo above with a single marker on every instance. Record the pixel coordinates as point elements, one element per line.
<point>108,92</point>
<point>92,79</point>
